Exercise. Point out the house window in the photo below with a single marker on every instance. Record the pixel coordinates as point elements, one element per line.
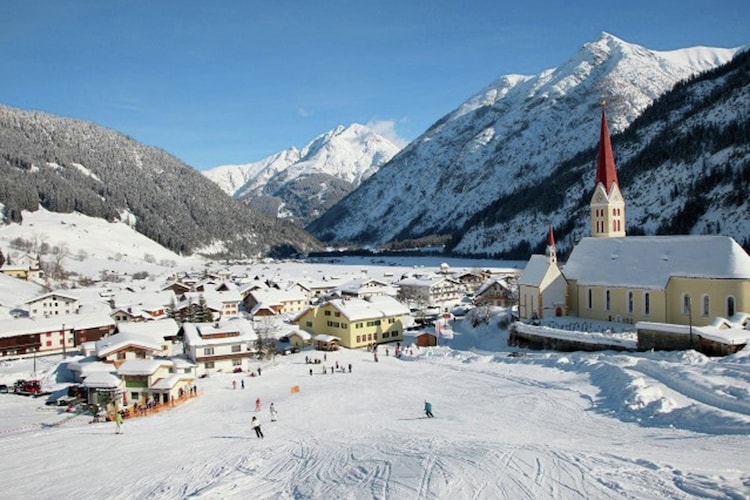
<point>386,335</point>
<point>646,304</point>
<point>209,364</point>
<point>120,355</point>
<point>49,343</point>
<point>630,302</point>
<point>589,299</point>
<point>140,355</point>
<point>208,351</point>
<point>326,313</point>
<point>308,324</point>
<point>134,396</point>
<point>237,362</point>
<point>607,300</point>
<point>359,339</point>
<point>705,305</point>
<point>236,348</point>
<point>730,307</point>
<point>337,314</point>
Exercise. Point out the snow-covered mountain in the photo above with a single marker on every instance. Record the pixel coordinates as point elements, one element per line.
<point>505,140</point>
<point>302,184</point>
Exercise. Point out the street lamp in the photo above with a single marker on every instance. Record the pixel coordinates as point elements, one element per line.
<point>689,304</point>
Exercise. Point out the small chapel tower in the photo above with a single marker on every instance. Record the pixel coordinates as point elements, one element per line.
<point>607,204</point>
<point>551,251</point>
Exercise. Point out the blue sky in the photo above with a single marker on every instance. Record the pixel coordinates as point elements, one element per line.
<point>235,81</point>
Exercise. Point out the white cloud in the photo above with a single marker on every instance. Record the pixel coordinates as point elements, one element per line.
<point>304,112</point>
<point>387,128</point>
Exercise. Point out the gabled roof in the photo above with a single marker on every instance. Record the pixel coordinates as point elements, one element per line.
<point>605,162</point>
<point>142,366</point>
<point>381,306</point>
<point>536,271</point>
<point>70,298</point>
<point>650,261</point>
<point>119,341</point>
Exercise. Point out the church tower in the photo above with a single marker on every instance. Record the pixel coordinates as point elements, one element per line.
<point>551,251</point>
<point>607,204</point>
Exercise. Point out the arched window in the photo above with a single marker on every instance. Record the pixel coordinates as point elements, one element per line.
<point>705,305</point>
<point>646,304</point>
<point>606,300</point>
<point>730,307</point>
<point>685,303</point>
<point>590,299</point>
<point>630,302</point>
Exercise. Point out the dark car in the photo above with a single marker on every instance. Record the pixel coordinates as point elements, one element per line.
<point>4,388</point>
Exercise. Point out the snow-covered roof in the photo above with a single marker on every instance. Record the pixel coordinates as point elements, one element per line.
<point>101,379</point>
<point>142,366</point>
<point>23,326</point>
<point>650,261</point>
<point>113,343</point>
<point>156,330</point>
<point>379,306</point>
<point>535,271</point>
<point>322,337</point>
<point>211,333</point>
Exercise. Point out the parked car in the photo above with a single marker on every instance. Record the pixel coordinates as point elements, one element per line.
<point>4,388</point>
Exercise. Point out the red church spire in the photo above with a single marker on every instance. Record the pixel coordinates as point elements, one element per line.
<point>550,237</point>
<point>605,164</point>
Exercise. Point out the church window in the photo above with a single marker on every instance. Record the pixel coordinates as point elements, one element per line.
<point>646,304</point>
<point>730,306</point>
<point>705,305</point>
<point>630,302</point>
<point>686,303</point>
<point>590,298</point>
<point>607,304</point>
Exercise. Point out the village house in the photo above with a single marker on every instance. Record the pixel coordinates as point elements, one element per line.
<point>314,290</point>
<point>431,291</point>
<point>364,288</point>
<point>494,292</point>
<point>687,280</point>
<point>154,380</point>
<point>61,334</point>
<point>357,322</point>
<point>164,332</point>
<point>280,301</point>
<point>52,304</point>
<point>121,347</point>
<point>223,346</point>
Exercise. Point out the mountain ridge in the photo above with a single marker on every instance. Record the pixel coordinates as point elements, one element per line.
<point>505,139</point>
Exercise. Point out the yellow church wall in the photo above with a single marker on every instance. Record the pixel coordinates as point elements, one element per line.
<point>664,305</point>
<point>619,303</point>
<point>716,291</point>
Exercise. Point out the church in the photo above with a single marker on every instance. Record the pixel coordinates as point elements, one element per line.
<point>608,276</point>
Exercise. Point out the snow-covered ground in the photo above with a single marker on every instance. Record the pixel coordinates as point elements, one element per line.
<point>509,423</point>
<point>535,425</point>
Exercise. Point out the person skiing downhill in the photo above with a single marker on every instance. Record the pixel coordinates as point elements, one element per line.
<point>273,411</point>
<point>256,427</point>
<point>428,409</point>
<point>257,405</point>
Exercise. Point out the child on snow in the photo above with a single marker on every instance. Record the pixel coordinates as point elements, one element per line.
<point>272,409</point>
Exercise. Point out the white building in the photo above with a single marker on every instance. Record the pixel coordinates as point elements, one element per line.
<point>224,346</point>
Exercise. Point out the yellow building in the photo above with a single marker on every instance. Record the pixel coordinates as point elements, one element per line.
<point>357,322</point>
<point>687,280</point>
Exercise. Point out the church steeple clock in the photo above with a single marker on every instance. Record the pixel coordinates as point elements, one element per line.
<point>607,204</point>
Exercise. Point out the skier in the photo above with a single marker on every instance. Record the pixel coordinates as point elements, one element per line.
<point>118,421</point>
<point>257,404</point>
<point>242,382</point>
<point>428,409</point>
<point>256,427</point>
<point>234,384</point>
<point>273,411</point>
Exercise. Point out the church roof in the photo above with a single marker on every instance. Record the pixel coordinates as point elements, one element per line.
<point>605,162</point>
<point>650,261</point>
